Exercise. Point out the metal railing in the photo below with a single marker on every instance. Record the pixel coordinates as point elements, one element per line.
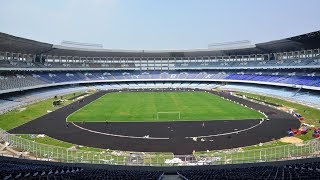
<point>33,150</point>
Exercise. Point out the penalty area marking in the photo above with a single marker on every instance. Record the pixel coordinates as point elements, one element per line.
<point>117,135</point>
<point>223,134</point>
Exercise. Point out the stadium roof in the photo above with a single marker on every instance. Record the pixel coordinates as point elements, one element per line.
<point>9,43</point>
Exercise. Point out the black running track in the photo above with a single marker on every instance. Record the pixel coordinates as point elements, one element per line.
<point>54,125</point>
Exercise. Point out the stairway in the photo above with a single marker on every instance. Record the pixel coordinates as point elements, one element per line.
<point>171,177</point>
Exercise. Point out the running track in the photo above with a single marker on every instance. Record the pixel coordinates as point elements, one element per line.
<point>171,135</point>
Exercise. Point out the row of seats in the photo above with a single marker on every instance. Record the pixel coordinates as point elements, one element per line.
<point>25,170</point>
<point>293,171</point>
<point>24,64</point>
<point>300,80</point>
<point>12,168</point>
<point>18,81</point>
<point>185,64</point>
<point>287,62</point>
<point>11,81</point>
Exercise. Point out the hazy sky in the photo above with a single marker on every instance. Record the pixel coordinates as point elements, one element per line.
<point>158,24</point>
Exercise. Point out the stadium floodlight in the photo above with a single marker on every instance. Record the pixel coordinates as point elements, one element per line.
<point>169,112</point>
<point>231,45</point>
<point>81,45</point>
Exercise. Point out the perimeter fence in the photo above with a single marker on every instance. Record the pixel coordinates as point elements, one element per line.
<point>25,148</point>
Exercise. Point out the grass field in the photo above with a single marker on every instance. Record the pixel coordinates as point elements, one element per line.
<point>143,106</point>
<point>18,117</point>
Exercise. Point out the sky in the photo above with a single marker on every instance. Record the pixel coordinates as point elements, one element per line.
<point>158,24</point>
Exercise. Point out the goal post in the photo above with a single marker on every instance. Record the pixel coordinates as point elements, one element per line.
<point>175,114</point>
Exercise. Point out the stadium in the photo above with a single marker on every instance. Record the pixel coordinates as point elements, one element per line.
<point>231,111</point>
<point>159,108</point>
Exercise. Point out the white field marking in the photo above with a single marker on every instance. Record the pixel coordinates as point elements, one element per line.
<point>155,138</point>
<point>223,134</point>
<point>85,106</point>
<point>117,135</point>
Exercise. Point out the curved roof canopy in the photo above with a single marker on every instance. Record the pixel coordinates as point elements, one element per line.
<point>11,43</point>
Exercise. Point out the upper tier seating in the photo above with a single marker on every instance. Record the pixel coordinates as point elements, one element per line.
<point>185,64</point>
<point>245,64</point>
<point>287,78</point>
<point>18,80</point>
<point>24,64</point>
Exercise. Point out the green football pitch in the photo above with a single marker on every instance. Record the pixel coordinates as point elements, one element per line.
<point>161,106</point>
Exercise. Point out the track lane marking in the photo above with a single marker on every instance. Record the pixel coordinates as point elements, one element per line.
<point>223,134</point>
<point>117,135</point>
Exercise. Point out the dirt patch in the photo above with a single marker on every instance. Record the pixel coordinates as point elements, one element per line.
<point>22,109</point>
<point>75,97</point>
<point>286,109</point>
<point>292,140</point>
